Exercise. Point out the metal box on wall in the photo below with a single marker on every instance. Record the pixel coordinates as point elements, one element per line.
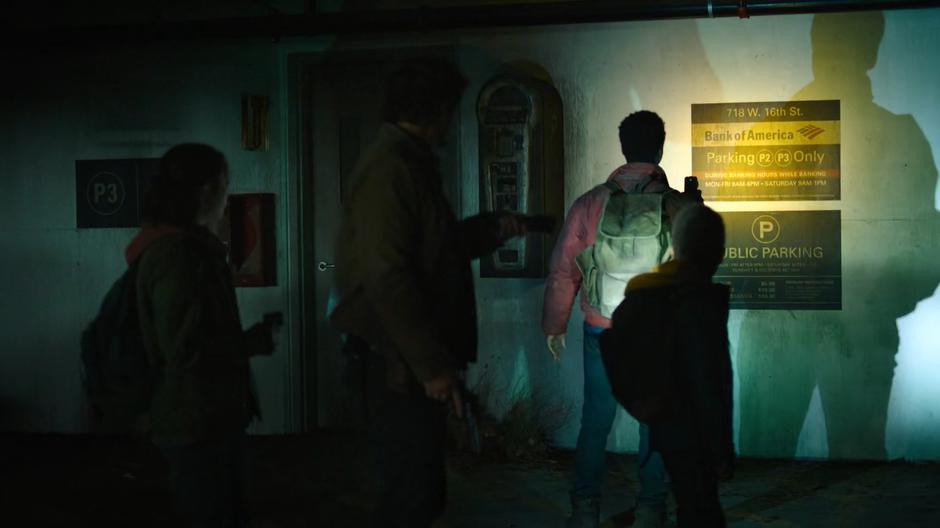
<point>521,157</point>
<point>249,232</point>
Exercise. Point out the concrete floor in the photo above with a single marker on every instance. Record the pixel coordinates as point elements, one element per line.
<point>321,480</point>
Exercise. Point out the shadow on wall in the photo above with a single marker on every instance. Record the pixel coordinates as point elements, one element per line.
<point>888,179</point>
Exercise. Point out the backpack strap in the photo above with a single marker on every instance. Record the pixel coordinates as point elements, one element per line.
<point>639,188</point>
<point>671,204</point>
<point>612,186</point>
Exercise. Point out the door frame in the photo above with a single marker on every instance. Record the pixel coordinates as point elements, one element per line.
<point>304,372</point>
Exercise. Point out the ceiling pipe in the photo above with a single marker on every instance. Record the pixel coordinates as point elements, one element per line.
<point>427,19</point>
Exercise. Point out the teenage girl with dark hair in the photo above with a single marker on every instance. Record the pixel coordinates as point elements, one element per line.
<point>191,328</point>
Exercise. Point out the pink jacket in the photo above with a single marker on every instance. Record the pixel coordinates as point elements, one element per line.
<point>578,233</point>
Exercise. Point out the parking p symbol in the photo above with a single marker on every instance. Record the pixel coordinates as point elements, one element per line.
<point>765,229</point>
<point>105,193</point>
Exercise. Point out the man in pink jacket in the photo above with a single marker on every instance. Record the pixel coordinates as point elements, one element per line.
<point>642,135</point>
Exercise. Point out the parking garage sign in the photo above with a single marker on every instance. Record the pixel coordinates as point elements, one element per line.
<point>767,150</point>
<point>783,260</point>
<point>109,193</point>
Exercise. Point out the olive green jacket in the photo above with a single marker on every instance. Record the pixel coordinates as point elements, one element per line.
<point>193,335</point>
<point>403,261</point>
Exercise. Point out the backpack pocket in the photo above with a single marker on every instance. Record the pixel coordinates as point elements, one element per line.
<point>611,290</point>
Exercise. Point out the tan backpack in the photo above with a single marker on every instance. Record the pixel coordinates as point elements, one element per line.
<point>633,237</point>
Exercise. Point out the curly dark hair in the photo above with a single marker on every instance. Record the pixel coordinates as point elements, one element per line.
<point>642,135</point>
<point>175,195</point>
<point>421,91</point>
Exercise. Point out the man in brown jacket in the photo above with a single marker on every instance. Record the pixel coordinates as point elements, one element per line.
<point>406,288</point>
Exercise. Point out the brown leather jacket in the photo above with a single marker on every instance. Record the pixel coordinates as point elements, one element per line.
<point>403,262</point>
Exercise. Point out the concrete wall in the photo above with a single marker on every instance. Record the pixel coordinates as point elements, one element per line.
<point>851,384</point>
<point>124,103</point>
<point>855,383</point>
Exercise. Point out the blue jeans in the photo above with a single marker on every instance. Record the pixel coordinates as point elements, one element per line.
<point>597,418</point>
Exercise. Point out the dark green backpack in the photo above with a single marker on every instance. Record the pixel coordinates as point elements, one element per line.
<point>117,375</point>
<point>639,350</point>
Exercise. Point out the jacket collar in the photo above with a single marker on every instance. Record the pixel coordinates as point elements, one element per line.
<point>150,234</point>
<point>667,274</point>
<point>394,135</point>
<point>634,177</point>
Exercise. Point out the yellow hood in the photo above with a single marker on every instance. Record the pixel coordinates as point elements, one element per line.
<point>666,274</point>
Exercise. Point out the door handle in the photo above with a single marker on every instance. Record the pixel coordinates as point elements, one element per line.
<point>323,266</point>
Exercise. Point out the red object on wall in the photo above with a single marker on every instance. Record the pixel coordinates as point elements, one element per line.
<point>251,239</point>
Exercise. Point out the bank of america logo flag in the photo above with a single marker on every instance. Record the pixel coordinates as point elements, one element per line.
<point>810,131</point>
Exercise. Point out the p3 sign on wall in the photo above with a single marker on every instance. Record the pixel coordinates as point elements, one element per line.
<point>110,193</point>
